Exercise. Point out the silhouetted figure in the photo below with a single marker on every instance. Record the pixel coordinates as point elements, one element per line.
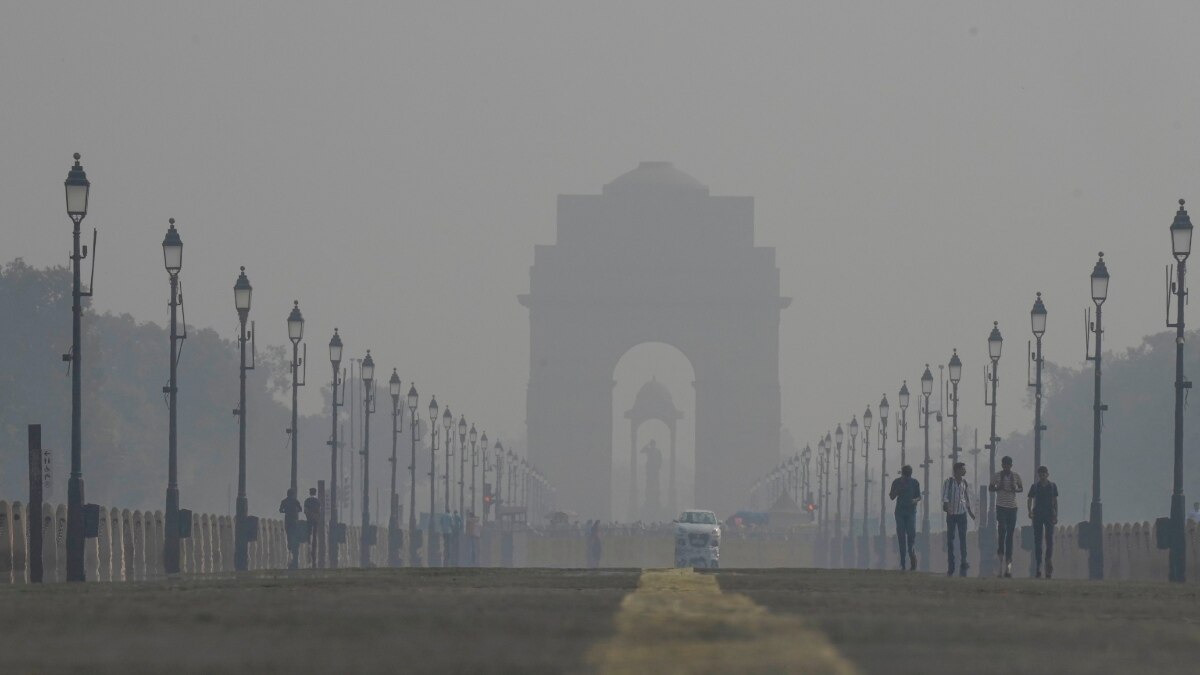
<point>594,547</point>
<point>312,513</point>
<point>956,502</point>
<point>290,508</point>
<point>1006,484</point>
<point>906,490</point>
<point>653,501</point>
<point>1043,511</point>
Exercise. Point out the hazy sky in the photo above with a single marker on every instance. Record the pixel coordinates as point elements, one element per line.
<point>922,169</point>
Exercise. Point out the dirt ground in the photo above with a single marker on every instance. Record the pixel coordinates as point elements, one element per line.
<point>894,622</point>
<point>542,621</point>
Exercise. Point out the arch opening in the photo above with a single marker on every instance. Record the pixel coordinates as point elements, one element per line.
<point>653,433</point>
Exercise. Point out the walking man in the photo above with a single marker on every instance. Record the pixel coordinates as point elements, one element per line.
<point>1006,484</point>
<point>1043,511</point>
<point>956,502</point>
<point>290,508</point>
<point>312,513</point>
<point>906,490</point>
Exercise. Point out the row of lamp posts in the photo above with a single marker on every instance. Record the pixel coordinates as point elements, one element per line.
<point>530,484</point>
<point>1172,527</point>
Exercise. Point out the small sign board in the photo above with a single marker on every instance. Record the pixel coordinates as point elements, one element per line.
<point>91,520</point>
<point>185,523</point>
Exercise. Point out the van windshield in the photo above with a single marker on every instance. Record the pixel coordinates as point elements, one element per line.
<point>698,518</point>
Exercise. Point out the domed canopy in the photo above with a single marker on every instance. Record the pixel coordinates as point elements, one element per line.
<point>653,402</point>
<point>655,177</point>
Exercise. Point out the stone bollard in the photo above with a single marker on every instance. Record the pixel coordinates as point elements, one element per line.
<point>91,559</point>
<point>20,542</point>
<point>116,544</point>
<point>60,542</point>
<point>214,538</point>
<point>127,543</point>
<point>49,551</point>
<point>200,532</point>
<point>154,549</point>
<point>139,546</point>
<point>6,551</point>
<point>201,545</point>
<point>226,543</point>
<point>104,548</point>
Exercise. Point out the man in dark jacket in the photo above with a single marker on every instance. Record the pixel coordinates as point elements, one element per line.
<point>906,490</point>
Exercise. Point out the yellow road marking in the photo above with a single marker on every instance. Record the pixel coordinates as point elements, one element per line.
<point>678,621</point>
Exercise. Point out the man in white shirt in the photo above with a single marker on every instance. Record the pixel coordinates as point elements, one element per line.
<point>956,502</point>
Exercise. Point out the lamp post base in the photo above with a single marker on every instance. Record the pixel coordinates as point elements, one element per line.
<point>75,571</point>
<point>1177,571</point>
<point>241,540</point>
<point>171,533</point>
<point>1096,543</point>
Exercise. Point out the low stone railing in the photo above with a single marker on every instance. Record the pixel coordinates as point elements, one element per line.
<point>129,545</point>
<point>1130,552</point>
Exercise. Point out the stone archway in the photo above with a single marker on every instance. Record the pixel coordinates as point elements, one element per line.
<point>654,258</point>
<point>653,402</point>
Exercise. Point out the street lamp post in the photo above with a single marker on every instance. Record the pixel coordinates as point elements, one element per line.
<point>806,459</point>
<point>448,554</point>
<point>474,435</point>
<point>838,436</point>
<point>462,467</point>
<point>173,260</point>
<point>435,554</point>
<point>498,467</point>
<point>366,373</point>
<point>955,378</point>
<point>884,408</point>
<point>827,446</point>
<point>1099,281</point>
<point>988,535</point>
<point>923,423</point>
<point>77,189</point>
<point>848,558</point>
<point>414,432</point>
<point>241,299</point>
<point>295,324</point>
<point>1037,321</point>
<point>864,552</point>
<point>335,359</point>
<point>394,515</point>
<point>1181,248</point>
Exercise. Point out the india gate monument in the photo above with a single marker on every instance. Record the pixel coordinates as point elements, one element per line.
<point>654,258</point>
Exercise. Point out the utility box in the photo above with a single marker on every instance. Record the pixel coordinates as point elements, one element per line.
<point>368,535</point>
<point>1084,534</point>
<point>340,533</point>
<point>91,520</point>
<point>251,528</point>
<point>1162,533</point>
<point>185,523</point>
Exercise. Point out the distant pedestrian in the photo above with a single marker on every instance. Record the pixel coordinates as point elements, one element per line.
<point>290,508</point>
<point>956,502</point>
<point>1006,484</point>
<point>312,514</point>
<point>1043,511</point>
<point>594,546</point>
<point>906,490</point>
<point>474,530</point>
